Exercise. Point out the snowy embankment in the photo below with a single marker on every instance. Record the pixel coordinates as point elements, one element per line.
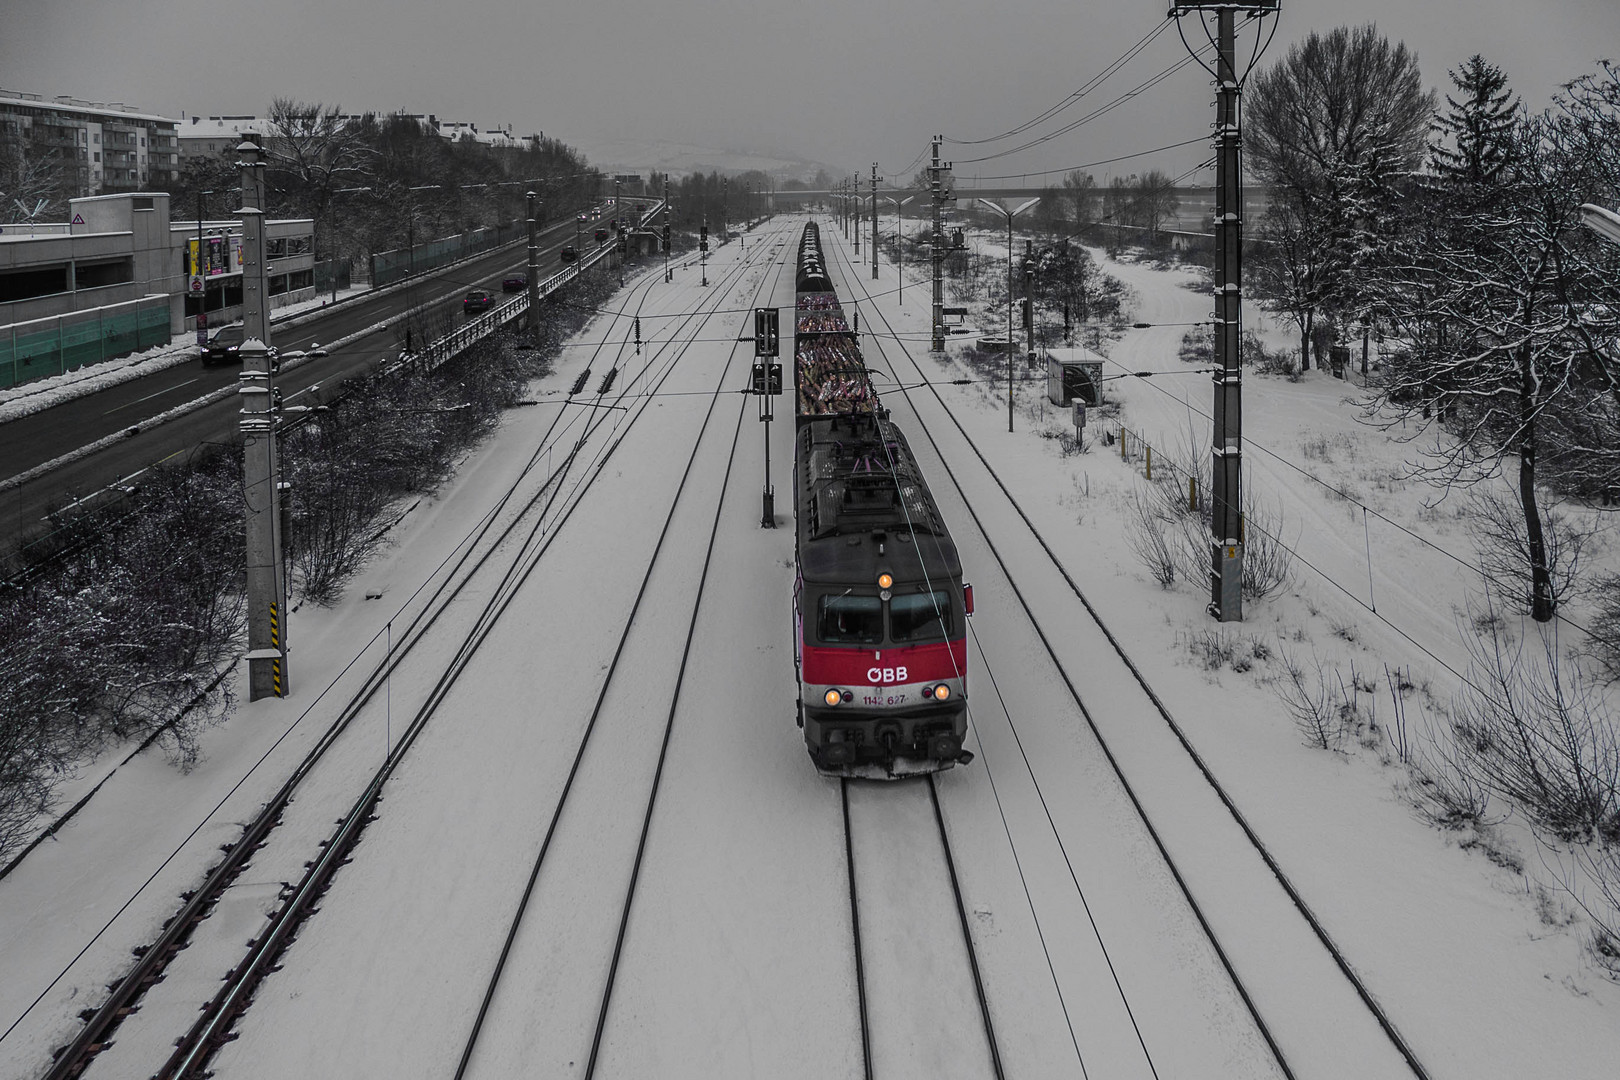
<point>1466,937</point>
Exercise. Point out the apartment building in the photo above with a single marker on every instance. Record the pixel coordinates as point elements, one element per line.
<point>99,148</point>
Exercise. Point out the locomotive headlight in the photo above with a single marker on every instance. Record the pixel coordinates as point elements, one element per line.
<point>942,691</point>
<point>885,581</point>
<point>833,697</point>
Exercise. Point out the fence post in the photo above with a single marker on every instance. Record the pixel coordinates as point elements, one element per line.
<point>1150,462</point>
<point>1192,493</point>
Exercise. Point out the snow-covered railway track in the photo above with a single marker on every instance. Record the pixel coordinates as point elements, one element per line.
<point>594,844</point>
<point>922,1003</point>
<point>1318,1016</point>
<point>489,568</point>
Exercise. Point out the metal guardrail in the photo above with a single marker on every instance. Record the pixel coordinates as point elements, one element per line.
<point>442,350</point>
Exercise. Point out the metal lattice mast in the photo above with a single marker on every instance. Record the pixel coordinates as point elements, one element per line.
<point>936,193</point>
<point>1226,465</point>
<point>874,221</point>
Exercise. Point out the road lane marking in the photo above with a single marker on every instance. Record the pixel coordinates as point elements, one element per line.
<point>149,397</point>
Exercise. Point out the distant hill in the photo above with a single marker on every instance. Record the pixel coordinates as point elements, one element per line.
<point>659,155</point>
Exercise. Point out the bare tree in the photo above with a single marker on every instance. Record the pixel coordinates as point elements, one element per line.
<point>32,185</point>
<point>1330,128</point>
<point>1080,190</point>
<point>1495,299</point>
<point>1156,199</point>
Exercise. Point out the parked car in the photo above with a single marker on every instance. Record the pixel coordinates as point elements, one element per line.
<point>223,345</point>
<point>569,254</point>
<point>515,283</point>
<point>477,300</point>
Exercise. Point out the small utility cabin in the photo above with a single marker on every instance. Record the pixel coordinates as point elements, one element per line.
<point>1073,374</point>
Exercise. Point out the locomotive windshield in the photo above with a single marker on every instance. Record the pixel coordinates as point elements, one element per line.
<point>854,620</point>
<point>919,616</point>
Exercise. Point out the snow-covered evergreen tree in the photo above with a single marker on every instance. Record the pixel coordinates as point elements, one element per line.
<point>1474,135</point>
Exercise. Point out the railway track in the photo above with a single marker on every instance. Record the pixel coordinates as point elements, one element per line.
<point>1324,1012</point>
<point>915,1008</point>
<point>576,835</point>
<point>492,562</point>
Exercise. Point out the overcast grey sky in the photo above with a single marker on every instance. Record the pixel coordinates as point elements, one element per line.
<point>840,81</point>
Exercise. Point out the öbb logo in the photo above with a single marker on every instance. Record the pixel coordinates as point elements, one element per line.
<point>885,675</point>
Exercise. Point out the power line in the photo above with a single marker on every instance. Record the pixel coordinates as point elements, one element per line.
<point>1101,110</point>
<point>1085,88</point>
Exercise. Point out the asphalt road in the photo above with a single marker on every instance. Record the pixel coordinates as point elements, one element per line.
<point>129,407</point>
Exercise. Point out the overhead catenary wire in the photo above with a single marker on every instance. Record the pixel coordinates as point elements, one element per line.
<point>1101,110</point>
<point>1085,88</point>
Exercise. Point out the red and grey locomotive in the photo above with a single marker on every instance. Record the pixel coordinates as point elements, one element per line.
<point>879,605</point>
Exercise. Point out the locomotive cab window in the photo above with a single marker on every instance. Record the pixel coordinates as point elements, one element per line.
<point>920,616</point>
<point>856,620</point>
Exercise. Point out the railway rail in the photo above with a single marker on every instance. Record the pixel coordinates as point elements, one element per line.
<point>612,684</point>
<point>894,350</point>
<point>917,1018</point>
<point>540,512</point>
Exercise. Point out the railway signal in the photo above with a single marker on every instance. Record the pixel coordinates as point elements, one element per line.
<point>767,332</point>
<point>765,385</point>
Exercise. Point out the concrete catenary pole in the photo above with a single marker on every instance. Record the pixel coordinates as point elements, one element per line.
<point>261,475</point>
<point>874,221</point>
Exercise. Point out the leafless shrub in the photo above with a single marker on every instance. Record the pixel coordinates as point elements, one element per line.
<point>1538,732</point>
<point>1146,533</point>
<point>1502,543</point>
<point>1268,563</point>
<point>1312,699</point>
<point>1448,793</point>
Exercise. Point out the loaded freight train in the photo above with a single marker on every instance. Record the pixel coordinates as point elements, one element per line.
<point>880,610</point>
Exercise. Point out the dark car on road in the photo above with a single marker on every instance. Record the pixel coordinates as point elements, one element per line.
<point>568,254</point>
<point>223,345</point>
<point>515,283</point>
<point>477,300</point>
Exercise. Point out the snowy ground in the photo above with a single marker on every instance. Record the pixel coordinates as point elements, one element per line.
<point>736,956</point>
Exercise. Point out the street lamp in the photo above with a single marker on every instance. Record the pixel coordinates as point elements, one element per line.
<point>1009,215</point>
<point>1606,223</point>
<point>900,243</point>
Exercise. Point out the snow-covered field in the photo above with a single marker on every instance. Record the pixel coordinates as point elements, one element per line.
<point>736,956</point>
